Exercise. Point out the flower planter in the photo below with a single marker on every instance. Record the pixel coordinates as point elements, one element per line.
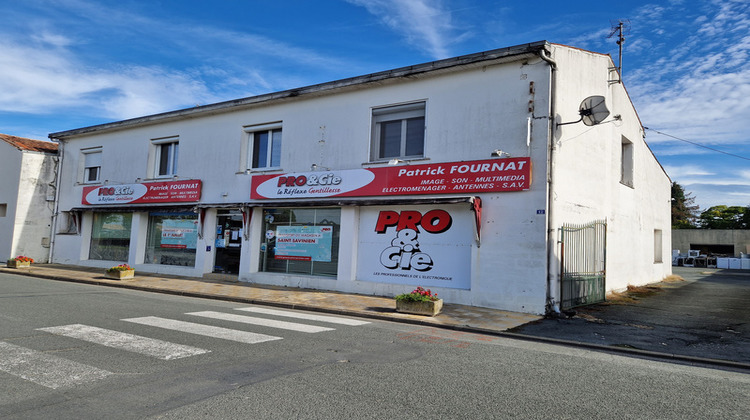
<point>119,275</point>
<point>18,264</point>
<point>426,308</point>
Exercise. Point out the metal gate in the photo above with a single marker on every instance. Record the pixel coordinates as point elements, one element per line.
<point>583,256</point>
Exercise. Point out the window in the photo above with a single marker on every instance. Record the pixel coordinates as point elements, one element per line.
<point>657,246</point>
<point>626,164</point>
<point>165,157</point>
<point>92,165</point>
<point>110,237</point>
<point>264,146</point>
<point>172,238</point>
<point>301,240</point>
<point>3,209</point>
<point>398,131</point>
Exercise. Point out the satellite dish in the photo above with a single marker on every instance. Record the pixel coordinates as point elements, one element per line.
<point>593,110</point>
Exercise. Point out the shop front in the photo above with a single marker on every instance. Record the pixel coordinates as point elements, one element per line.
<point>139,224</point>
<point>386,226</point>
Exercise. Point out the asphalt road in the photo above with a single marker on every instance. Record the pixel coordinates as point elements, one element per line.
<point>54,364</point>
<point>704,316</point>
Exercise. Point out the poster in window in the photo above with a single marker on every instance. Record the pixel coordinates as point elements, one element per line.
<point>178,233</point>
<point>304,243</point>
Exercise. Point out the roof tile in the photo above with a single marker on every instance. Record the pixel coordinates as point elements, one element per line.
<point>21,143</point>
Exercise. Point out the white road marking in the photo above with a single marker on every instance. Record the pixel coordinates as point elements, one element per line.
<point>299,315</point>
<point>46,369</point>
<point>293,326</point>
<point>201,329</point>
<point>134,343</point>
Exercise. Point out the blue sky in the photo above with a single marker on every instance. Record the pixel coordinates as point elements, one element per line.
<point>67,64</point>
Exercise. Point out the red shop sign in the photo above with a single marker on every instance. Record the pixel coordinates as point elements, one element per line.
<point>494,175</point>
<point>152,192</point>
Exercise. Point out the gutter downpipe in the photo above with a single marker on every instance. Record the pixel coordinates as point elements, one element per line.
<point>553,272</point>
<point>53,233</point>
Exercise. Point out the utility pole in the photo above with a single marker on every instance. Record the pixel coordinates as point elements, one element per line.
<point>620,28</point>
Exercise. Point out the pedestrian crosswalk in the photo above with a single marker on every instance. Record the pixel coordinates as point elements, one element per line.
<point>46,369</point>
<point>53,371</point>
<point>293,326</point>
<point>129,342</point>
<point>201,329</point>
<point>307,316</point>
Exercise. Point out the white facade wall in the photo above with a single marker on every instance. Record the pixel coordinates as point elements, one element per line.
<point>470,112</point>
<point>587,173</point>
<point>27,177</point>
<point>468,115</point>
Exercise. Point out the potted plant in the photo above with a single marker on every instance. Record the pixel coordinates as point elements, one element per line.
<point>20,262</point>
<point>420,301</point>
<point>122,271</point>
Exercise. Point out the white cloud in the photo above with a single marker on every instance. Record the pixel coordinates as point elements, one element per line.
<point>700,88</point>
<point>38,80</point>
<point>56,40</point>
<point>686,170</point>
<point>44,71</point>
<point>425,24</point>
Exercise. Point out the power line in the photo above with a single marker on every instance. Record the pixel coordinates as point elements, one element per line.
<point>697,144</point>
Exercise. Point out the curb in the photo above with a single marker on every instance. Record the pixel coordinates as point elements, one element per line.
<point>692,360</point>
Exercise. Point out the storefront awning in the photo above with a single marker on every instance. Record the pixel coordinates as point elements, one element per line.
<point>222,205</point>
<point>134,208</point>
<point>360,201</point>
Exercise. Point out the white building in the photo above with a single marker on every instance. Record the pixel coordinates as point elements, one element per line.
<point>27,181</point>
<point>453,175</point>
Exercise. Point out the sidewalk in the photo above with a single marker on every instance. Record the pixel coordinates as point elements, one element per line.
<point>459,317</point>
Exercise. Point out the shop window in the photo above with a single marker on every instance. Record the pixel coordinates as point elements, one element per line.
<point>171,239</point>
<point>110,237</point>
<point>264,146</point>
<point>626,164</point>
<point>398,131</point>
<point>166,154</point>
<point>92,165</point>
<point>301,241</point>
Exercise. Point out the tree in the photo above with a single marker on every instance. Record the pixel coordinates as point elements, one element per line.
<point>725,217</point>
<point>684,209</point>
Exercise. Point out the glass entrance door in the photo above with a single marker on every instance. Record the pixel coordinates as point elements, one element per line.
<point>228,242</point>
